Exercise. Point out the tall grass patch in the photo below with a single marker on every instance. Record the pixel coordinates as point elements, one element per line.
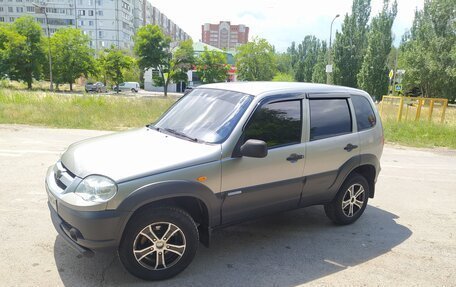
<point>421,133</point>
<point>87,112</point>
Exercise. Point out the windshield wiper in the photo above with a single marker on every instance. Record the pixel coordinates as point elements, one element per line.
<point>180,134</point>
<point>151,126</point>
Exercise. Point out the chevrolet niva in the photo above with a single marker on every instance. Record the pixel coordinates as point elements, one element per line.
<point>224,153</point>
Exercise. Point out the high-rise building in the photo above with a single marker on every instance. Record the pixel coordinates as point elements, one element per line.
<point>107,22</point>
<point>224,35</point>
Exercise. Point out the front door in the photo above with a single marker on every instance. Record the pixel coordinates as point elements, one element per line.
<point>256,186</point>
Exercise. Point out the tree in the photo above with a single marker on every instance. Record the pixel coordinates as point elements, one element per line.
<point>350,44</point>
<point>284,64</point>
<point>153,50</point>
<point>283,77</point>
<point>373,76</point>
<point>183,58</point>
<point>114,63</point>
<point>319,70</point>
<point>305,57</point>
<point>21,50</point>
<point>101,66</point>
<point>71,56</point>
<point>212,66</point>
<point>11,52</point>
<point>428,51</point>
<point>255,61</point>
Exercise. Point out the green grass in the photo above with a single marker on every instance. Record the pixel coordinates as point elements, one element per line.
<point>420,134</point>
<point>118,113</point>
<point>85,112</point>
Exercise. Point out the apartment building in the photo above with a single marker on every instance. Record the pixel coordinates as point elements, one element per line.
<point>224,35</point>
<point>107,22</point>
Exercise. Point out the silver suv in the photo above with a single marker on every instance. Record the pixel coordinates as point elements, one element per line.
<point>222,154</point>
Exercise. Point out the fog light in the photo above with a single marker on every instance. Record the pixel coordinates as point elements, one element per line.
<point>74,234</point>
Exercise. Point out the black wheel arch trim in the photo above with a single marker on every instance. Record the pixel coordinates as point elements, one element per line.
<point>154,192</point>
<point>353,163</point>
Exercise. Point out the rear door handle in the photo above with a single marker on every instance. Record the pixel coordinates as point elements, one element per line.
<point>294,157</point>
<point>350,147</point>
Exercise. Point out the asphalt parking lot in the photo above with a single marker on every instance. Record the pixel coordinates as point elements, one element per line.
<point>407,236</point>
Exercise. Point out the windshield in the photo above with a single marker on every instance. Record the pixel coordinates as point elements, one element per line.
<point>205,114</point>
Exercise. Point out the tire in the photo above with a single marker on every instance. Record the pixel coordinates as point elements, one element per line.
<point>133,90</point>
<point>149,229</point>
<point>347,206</point>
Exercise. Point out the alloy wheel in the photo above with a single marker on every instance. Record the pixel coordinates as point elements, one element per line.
<point>353,200</point>
<point>159,246</point>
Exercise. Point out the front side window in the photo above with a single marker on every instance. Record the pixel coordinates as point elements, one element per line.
<point>205,114</point>
<point>329,118</point>
<point>365,117</point>
<point>277,124</point>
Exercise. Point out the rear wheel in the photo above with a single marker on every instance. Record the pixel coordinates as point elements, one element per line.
<point>159,243</point>
<point>133,90</point>
<point>350,202</point>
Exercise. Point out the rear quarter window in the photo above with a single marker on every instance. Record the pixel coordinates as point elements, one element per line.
<point>365,117</point>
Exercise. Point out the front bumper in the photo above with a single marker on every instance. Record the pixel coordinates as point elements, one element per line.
<point>88,230</point>
<point>63,231</point>
<point>84,230</point>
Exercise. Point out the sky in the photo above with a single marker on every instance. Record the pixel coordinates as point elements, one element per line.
<point>280,22</point>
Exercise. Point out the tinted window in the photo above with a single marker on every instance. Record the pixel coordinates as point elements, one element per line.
<point>276,123</point>
<point>328,118</point>
<point>365,116</point>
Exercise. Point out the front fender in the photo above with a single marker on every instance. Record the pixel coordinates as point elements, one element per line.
<point>169,189</point>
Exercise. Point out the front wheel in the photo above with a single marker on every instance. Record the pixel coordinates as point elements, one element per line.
<point>350,202</point>
<point>159,243</point>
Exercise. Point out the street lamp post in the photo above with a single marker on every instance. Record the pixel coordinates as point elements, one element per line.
<point>329,66</point>
<point>42,10</point>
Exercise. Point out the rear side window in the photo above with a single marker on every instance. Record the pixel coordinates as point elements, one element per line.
<point>329,118</point>
<point>365,116</point>
<point>277,124</point>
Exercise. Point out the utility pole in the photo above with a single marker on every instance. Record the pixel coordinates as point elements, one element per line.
<point>96,27</point>
<point>42,10</point>
<point>329,66</point>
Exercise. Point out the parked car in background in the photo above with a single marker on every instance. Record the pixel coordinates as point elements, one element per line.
<point>97,87</point>
<point>188,89</point>
<point>127,86</point>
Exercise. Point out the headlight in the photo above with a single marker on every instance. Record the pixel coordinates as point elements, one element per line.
<point>96,188</point>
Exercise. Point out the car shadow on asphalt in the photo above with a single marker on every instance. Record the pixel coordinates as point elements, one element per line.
<point>285,249</point>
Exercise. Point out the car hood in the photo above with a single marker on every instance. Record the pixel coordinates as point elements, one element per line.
<point>135,153</point>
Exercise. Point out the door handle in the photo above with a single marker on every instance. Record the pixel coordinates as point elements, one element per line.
<point>350,147</point>
<point>294,157</point>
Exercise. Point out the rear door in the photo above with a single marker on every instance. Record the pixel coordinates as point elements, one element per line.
<point>333,145</point>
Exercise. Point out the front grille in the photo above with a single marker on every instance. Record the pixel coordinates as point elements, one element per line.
<point>63,177</point>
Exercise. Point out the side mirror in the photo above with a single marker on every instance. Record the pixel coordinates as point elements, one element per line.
<point>254,148</point>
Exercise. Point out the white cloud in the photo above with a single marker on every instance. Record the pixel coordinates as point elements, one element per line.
<point>279,22</point>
